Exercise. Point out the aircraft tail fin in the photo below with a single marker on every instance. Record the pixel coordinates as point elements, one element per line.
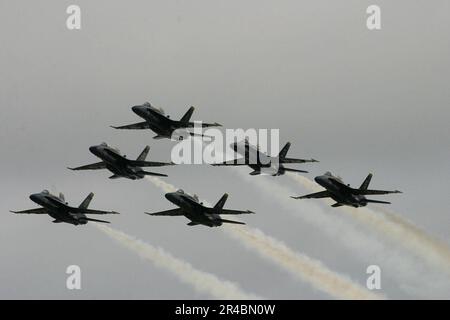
<point>187,116</point>
<point>87,201</point>
<point>219,205</point>
<point>366,182</point>
<point>61,197</point>
<point>143,154</point>
<point>284,151</point>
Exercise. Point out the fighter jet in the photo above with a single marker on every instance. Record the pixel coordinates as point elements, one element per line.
<point>120,165</point>
<point>191,208</point>
<point>161,124</point>
<point>57,208</point>
<point>261,162</point>
<point>343,194</point>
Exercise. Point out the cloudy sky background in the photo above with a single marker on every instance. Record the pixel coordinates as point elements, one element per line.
<point>360,101</point>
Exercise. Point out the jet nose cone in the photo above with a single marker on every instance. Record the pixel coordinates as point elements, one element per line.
<point>139,110</point>
<point>318,179</point>
<point>94,149</point>
<point>169,196</point>
<point>34,197</point>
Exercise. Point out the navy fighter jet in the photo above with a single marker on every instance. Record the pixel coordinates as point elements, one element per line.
<point>261,162</point>
<point>191,208</point>
<point>57,208</point>
<point>343,194</point>
<point>162,125</point>
<point>120,165</point>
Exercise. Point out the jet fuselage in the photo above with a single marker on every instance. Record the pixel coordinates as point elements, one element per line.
<point>339,192</point>
<point>193,210</point>
<point>57,209</point>
<point>116,163</point>
<point>158,122</point>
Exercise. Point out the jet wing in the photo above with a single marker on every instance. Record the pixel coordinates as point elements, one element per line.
<point>372,192</point>
<point>317,195</point>
<point>228,211</point>
<point>139,163</point>
<point>93,166</point>
<point>32,211</point>
<point>135,126</point>
<point>292,160</point>
<point>91,211</point>
<point>171,212</point>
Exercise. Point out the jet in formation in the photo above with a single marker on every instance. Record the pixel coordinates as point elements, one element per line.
<point>161,124</point>
<point>120,165</point>
<point>57,208</point>
<point>261,162</point>
<point>190,207</point>
<point>343,194</point>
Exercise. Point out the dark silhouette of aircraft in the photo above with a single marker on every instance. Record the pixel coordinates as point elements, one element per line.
<point>191,208</point>
<point>120,165</point>
<point>161,124</point>
<point>261,162</point>
<point>58,209</point>
<point>343,194</point>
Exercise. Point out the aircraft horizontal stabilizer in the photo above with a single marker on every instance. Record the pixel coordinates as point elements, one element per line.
<point>293,160</point>
<point>154,174</point>
<point>373,192</point>
<point>230,221</point>
<point>377,201</point>
<point>230,211</point>
<point>95,220</point>
<point>141,163</point>
<point>294,170</point>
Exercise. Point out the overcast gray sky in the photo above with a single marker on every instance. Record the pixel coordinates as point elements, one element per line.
<point>359,101</point>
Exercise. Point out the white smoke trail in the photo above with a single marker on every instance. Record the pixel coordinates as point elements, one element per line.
<point>301,266</point>
<point>201,281</point>
<point>372,250</point>
<point>396,227</point>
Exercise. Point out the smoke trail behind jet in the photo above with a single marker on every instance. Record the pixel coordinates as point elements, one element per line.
<point>201,281</point>
<point>301,266</point>
<point>408,270</point>
<point>396,227</point>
